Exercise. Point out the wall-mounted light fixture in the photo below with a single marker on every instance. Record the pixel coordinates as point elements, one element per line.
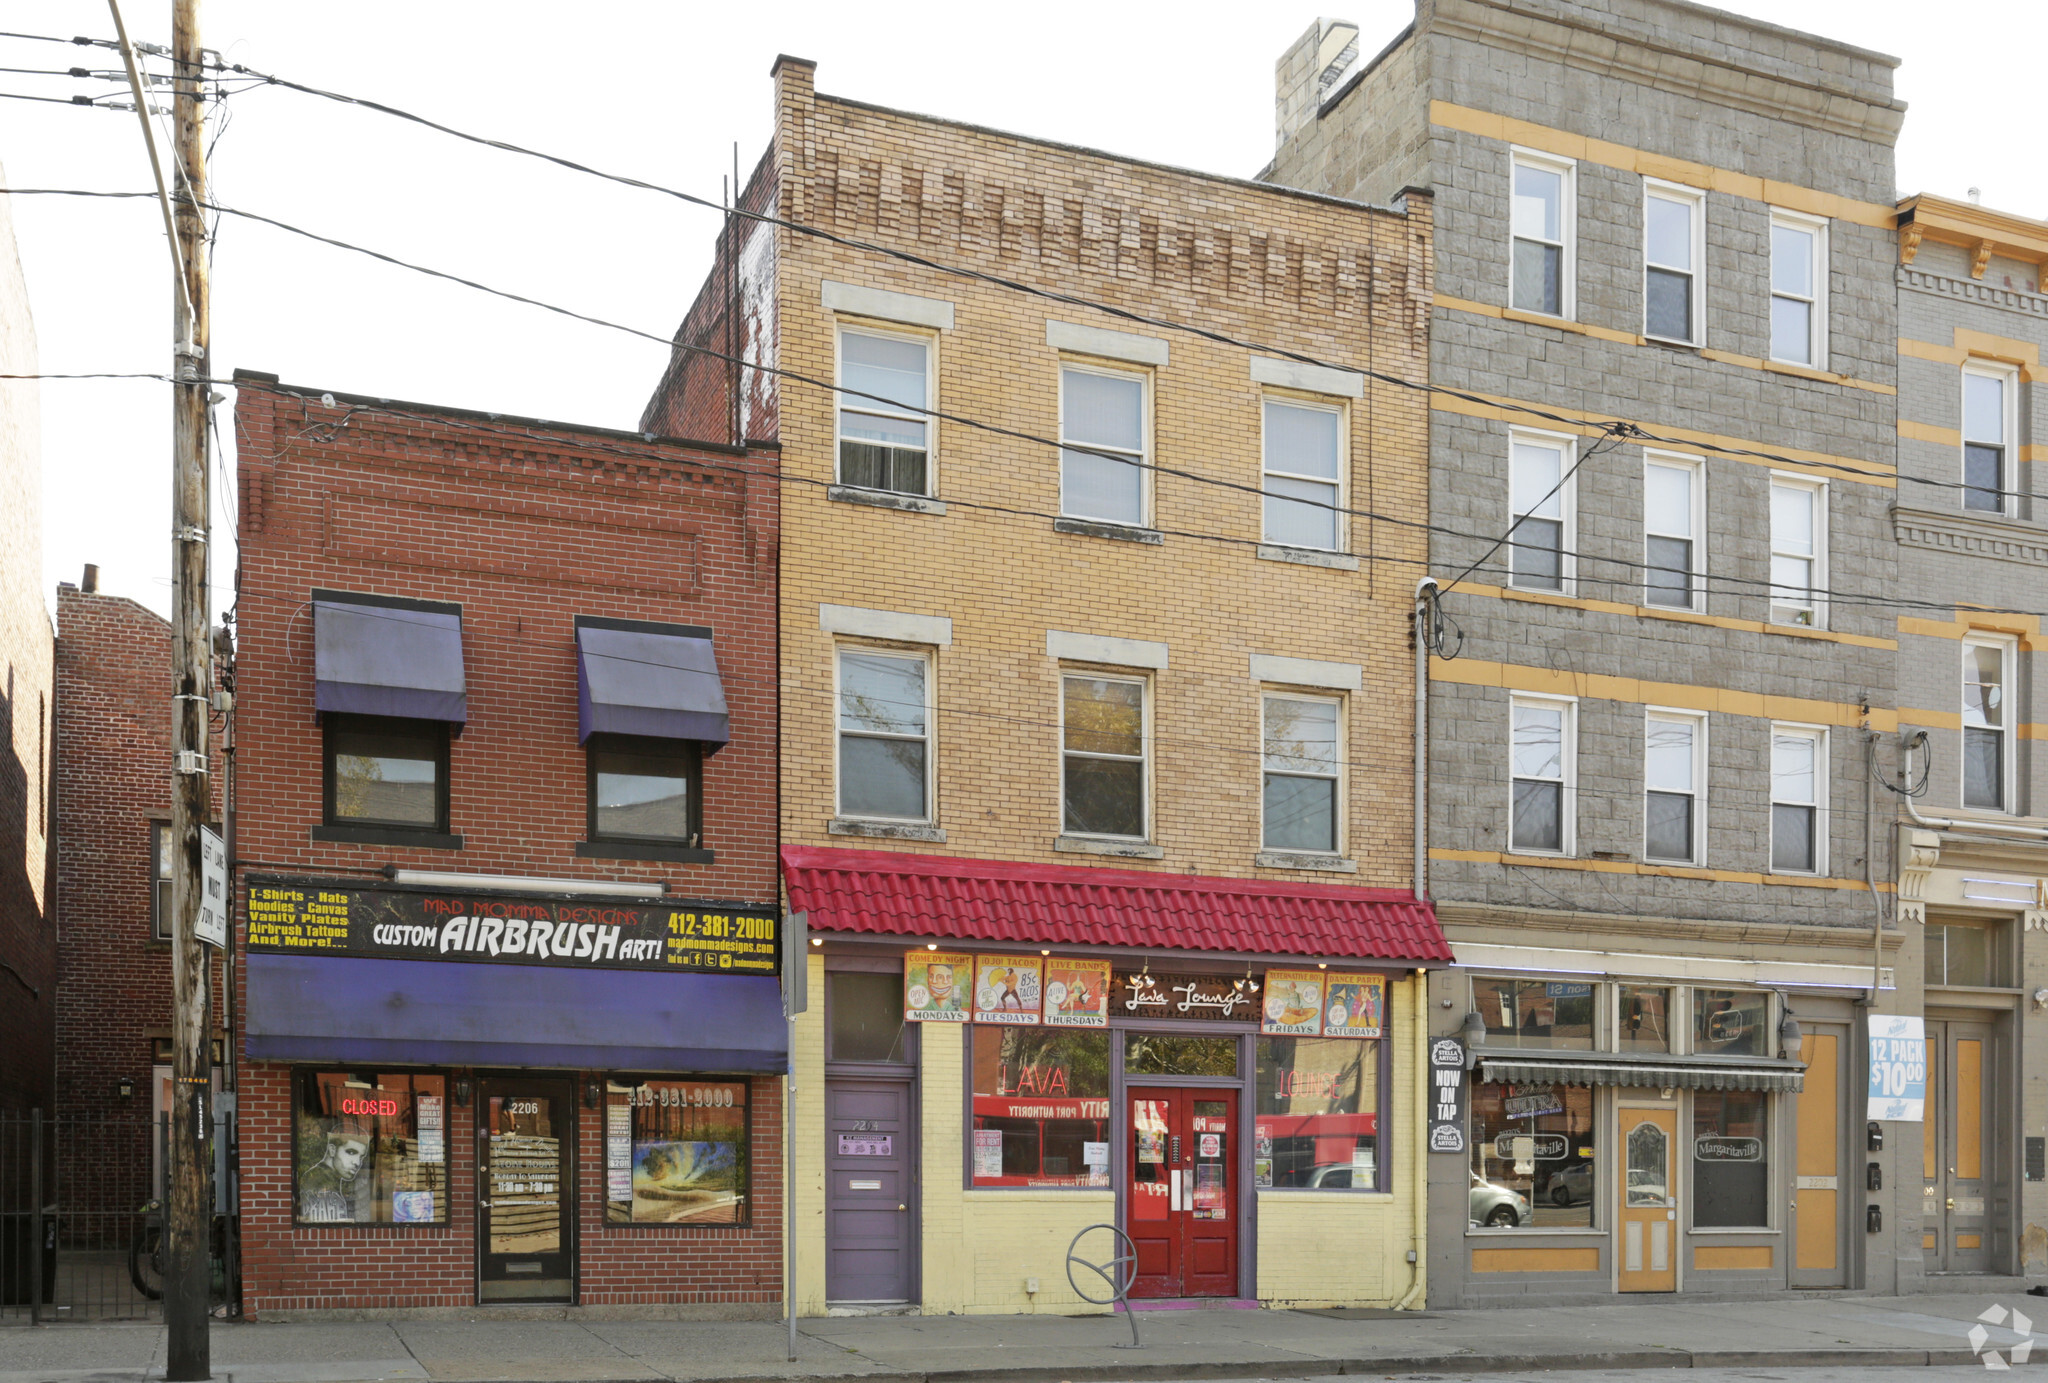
<point>125,1087</point>
<point>1789,1034</point>
<point>593,1094</point>
<point>463,1089</point>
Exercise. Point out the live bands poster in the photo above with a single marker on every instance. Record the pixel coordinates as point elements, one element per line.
<point>326,917</point>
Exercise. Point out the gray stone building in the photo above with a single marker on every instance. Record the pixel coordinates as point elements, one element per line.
<point>1973,545</point>
<point>1663,349</point>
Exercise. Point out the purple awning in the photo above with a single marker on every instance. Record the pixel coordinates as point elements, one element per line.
<point>451,1013</point>
<point>388,656</point>
<point>657,680</point>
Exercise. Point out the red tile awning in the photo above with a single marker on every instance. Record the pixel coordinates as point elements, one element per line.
<point>939,898</point>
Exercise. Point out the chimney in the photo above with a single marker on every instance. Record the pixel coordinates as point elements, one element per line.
<point>1309,71</point>
<point>91,584</point>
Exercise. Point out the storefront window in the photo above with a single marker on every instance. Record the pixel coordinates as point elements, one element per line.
<point>1155,1054</point>
<point>1730,1162</point>
<point>372,1149</point>
<point>1645,1018</point>
<point>1554,1014</point>
<point>867,1015</point>
<point>1730,1022</point>
<point>675,1152</point>
<point>1316,1122</point>
<point>1532,1156</point>
<point>1041,1107</point>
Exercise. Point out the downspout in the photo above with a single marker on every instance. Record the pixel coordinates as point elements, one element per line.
<point>1869,863</point>
<point>1941,823</point>
<point>1419,1119</point>
<point>1422,600</point>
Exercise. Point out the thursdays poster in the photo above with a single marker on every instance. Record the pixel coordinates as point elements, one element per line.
<point>935,986</point>
<point>1356,1006</point>
<point>1294,1004</point>
<point>1076,993</point>
<point>1007,988</point>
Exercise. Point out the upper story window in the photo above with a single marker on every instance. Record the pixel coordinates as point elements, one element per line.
<point>1302,777</point>
<point>1799,265</point>
<point>1987,736</point>
<point>1536,1013</point>
<point>1102,756</point>
<point>1798,818</point>
<point>1304,475</point>
<point>1540,494</point>
<point>160,880</point>
<point>645,790</point>
<point>1988,395</point>
<point>1541,225</point>
<point>1104,413</point>
<point>884,734</point>
<point>1673,235</point>
<point>1542,755</point>
<point>384,771</point>
<point>1798,552</point>
<point>1674,779</point>
<point>1673,504</point>
<point>885,382</point>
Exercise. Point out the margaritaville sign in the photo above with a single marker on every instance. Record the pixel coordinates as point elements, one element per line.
<point>326,917</point>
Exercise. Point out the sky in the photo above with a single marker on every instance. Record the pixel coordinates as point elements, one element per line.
<point>663,92</point>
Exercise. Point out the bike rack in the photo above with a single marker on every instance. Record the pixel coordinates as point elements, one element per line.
<point>1119,1290</point>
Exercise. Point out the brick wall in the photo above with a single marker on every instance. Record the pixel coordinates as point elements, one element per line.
<point>527,525</point>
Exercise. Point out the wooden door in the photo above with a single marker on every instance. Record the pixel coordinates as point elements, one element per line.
<point>1819,1256</point>
<point>525,1175</point>
<point>1648,1195</point>
<point>1958,1158</point>
<point>1182,1210</point>
<point>870,1191</point>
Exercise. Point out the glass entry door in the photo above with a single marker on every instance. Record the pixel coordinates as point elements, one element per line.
<point>1182,1210</point>
<point>1649,1201</point>
<point>526,1178</point>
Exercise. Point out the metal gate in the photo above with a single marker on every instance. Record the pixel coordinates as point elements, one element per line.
<point>75,1194</point>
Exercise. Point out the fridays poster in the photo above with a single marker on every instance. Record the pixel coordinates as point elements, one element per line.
<point>1076,993</point>
<point>1356,1006</point>
<point>1294,1004</point>
<point>1007,989</point>
<point>935,986</point>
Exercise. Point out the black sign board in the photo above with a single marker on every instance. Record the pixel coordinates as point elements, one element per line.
<point>1446,1095</point>
<point>329,917</point>
<point>1210,998</point>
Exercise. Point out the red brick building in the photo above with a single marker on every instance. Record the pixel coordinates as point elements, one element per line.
<point>504,839</point>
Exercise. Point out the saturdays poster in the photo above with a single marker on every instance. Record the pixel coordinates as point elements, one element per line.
<point>935,986</point>
<point>1076,993</point>
<point>1356,1006</point>
<point>1294,1004</point>
<point>1007,988</point>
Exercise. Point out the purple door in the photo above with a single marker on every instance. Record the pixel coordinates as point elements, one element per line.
<point>870,1191</point>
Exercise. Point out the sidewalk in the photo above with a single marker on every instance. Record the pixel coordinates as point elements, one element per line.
<point>1046,1349</point>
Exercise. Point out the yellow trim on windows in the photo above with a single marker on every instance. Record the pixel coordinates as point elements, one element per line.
<point>1678,696</point>
<point>1666,871</point>
<point>1616,607</point>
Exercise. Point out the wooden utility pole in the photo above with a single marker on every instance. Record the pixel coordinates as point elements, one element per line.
<point>189,1216</point>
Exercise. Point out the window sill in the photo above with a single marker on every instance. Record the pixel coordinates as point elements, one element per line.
<point>1363,1192</point>
<point>1114,849</point>
<point>387,835</point>
<point>643,850</point>
<point>1720,1231</point>
<point>1537,1232</point>
<point>886,830</point>
<point>1120,532</point>
<point>1307,557</point>
<point>885,499</point>
<point>1671,343</point>
<point>1032,1193</point>
<point>1288,859</point>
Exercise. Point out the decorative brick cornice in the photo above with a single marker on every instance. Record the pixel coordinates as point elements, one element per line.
<point>1941,285</point>
<point>1971,535</point>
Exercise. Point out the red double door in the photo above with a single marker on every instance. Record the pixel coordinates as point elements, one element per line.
<point>1182,1214</point>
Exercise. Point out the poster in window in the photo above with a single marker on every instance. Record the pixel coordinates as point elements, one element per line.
<point>1294,1004</point>
<point>935,986</point>
<point>1007,988</point>
<point>1356,1006</point>
<point>1076,993</point>
<point>988,1152</point>
<point>432,1131</point>
<point>618,1151</point>
<point>686,1152</point>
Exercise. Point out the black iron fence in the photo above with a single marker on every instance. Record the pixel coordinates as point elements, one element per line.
<point>81,1227</point>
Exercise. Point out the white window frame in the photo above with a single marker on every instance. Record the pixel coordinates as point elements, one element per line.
<point>1818,491</point>
<point>1568,767</point>
<point>859,403</point>
<point>2007,649</point>
<point>2008,476</point>
<point>1566,447</point>
<point>1567,226</point>
<point>908,653</point>
<point>1697,721</point>
<point>1697,200</point>
<point>1146,759</point>
<point>1697,588</point>
<point>1144,459</point>
<point>1819,735</point>
<point>1340,530</point>
<point>1339,825</point>
<point>1817,328</point>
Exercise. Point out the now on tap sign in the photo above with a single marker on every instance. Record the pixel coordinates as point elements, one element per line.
<point>1447,1095</point>
<point>1898,1068</point>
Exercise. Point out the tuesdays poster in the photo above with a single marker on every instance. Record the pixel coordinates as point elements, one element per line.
<point>1294,1004</point>
<point>1007,988</point>
<point>1076,993</point>
<point>1356,1006</point>
<point>935,986</point>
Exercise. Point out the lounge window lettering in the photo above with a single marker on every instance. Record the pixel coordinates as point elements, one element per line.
<point>1316,1120</point>
<point>1041,1108</point>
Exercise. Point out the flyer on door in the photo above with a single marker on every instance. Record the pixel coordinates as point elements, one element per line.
<point>1007,988</point>
<point>1076,993</point>
<point>1356,1006</point>
<point>935,986</point>
<point>1294,1004</point>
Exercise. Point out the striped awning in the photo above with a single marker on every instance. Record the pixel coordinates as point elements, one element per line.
<point>1673,1073</point>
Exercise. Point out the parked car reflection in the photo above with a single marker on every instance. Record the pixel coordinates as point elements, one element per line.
<point>1496,1206</point>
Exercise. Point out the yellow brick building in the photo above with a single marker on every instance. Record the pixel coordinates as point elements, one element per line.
<point>1100,529</point>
